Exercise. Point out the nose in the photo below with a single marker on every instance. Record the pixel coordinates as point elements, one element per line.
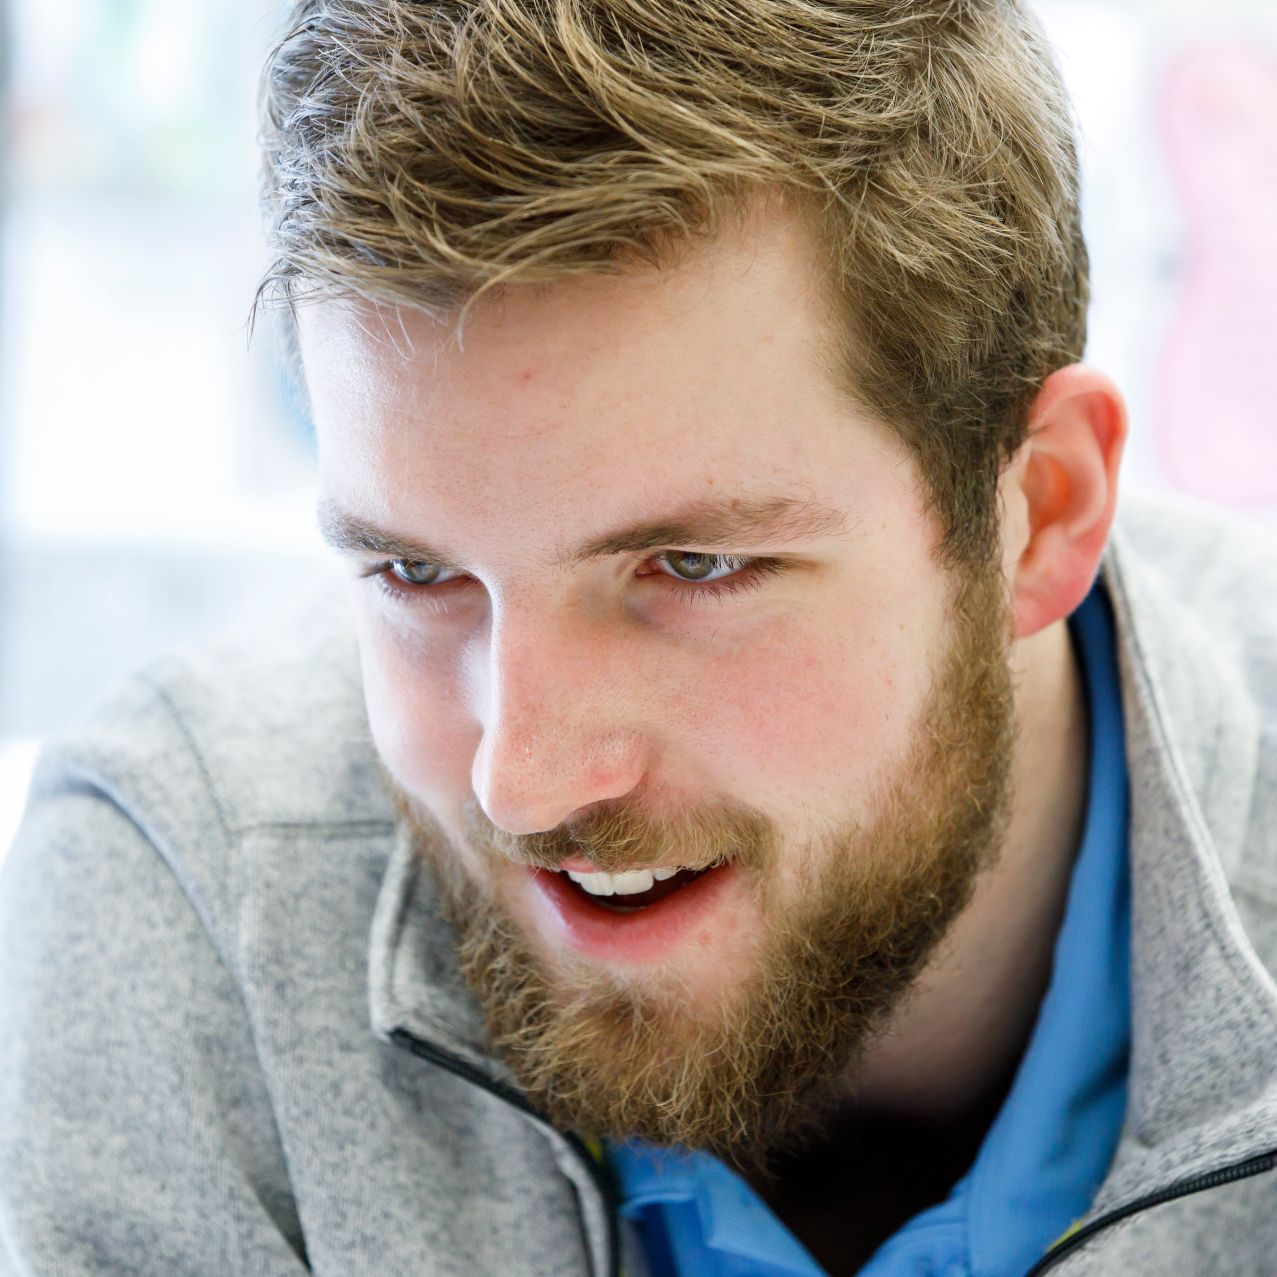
<point>555,700</point>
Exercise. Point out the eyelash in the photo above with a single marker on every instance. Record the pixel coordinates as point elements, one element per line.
<point>750,577</point>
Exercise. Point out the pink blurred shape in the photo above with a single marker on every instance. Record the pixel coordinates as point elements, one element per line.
<point>1214,401</point>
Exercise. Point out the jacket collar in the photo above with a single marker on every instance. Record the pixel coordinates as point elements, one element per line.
<point>1202,1090</point>
<point>414,980</point>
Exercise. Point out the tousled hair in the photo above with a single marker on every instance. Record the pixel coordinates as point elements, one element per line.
<point>430,152</point>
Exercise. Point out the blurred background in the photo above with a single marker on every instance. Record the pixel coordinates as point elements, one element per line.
<point>155,473</point>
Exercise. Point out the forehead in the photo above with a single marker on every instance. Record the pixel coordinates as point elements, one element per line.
<point>620,396</point>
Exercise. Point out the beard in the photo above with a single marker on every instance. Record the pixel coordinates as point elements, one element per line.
<point>760,1069</point>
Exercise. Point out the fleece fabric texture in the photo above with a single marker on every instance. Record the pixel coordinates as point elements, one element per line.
<point>233,1038</point>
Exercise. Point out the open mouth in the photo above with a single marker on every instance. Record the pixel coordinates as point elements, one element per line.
<point>619,900</point>
<point>638,919</point>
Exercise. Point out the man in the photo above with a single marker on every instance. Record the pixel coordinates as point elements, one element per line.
<point>763,822</point>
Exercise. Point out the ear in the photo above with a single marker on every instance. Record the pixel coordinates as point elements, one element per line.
<point>1059,495</point>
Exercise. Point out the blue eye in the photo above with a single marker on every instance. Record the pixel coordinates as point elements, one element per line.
<point>416,573</point>
<point>694,566</point>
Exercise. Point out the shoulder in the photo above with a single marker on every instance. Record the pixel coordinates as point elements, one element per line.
<point>1208,555</point>
<point>1197,606</point>
<point>1217,563</point>
<point>1202,580</point>
<point>263,728</point>
<point>234,768</point>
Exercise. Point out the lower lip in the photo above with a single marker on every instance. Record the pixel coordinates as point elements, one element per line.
<point>643,935</point>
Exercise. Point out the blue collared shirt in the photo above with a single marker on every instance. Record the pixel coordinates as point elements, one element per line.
<point>1052,1140</point>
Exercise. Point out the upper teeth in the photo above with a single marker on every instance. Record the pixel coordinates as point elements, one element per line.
<point>622,884</point>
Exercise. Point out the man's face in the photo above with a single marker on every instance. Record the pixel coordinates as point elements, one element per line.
<point>690,616</point>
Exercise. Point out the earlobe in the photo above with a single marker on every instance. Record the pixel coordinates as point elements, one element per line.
<point>1067,475</point>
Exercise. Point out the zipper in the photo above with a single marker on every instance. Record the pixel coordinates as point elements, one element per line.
<point>1066,1246</point>
<point>1200,1183</point>
<point>602,1181</point>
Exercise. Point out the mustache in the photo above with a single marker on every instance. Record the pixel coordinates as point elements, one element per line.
<point>620,836</point>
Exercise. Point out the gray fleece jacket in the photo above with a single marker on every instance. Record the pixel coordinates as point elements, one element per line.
<point>233,1039</point>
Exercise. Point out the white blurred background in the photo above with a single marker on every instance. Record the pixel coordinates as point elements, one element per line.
<point>155,476</point>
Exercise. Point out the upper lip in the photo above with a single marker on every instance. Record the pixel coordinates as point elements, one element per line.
<point>578,865</point>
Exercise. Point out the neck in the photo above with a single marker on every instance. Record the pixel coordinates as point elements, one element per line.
<point>965,1026</point>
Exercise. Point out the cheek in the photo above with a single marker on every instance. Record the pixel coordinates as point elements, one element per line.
<point>813,713</point>
<point>422,734</point>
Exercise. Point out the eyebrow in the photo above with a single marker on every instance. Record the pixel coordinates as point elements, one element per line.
<point>704,525</point>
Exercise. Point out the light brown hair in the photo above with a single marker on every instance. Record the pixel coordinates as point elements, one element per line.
<point>427,153</point>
